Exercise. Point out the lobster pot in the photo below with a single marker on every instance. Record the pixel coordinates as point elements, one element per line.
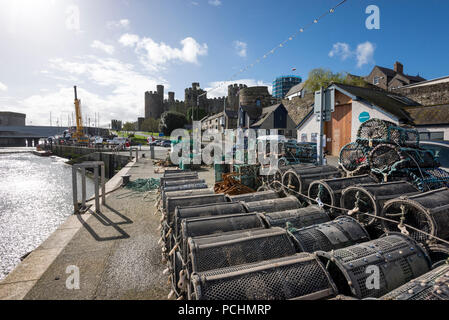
<point>196,227</point>
<point>184,193</point>
<point>189,201</point>
<point>396,258</point>
<point>354,158</point>
<point>386,158</point>
<point>434,285</point>
<point>257,196</point>
<point>370,198</point>
<point>376,131</point>
<point>438,253</point>
<point>189,186</point>
<point>170,172</point>
<point>237,248</point>
<point>178,182</point>
<point>339,233</point>
<point>297,218</point>
<point>301,277</point>
<point>275,174</point>
<point>298,180</point>
<point>177,265</point>
<point>329,191</point>
<point>427,179</point>
<point>216,209</point>
<point>273,205</point>
<point>192,176</point>
<point>428,212</point>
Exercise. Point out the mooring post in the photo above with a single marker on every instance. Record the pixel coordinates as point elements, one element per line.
<point>137,154</point>
<point>75,190</point>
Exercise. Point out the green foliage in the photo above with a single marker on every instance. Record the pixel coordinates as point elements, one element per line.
<point>150,125</point>
<point>324,77</point>
<point>129,126</point>
<point>170,121</point>
<point>198,114</point>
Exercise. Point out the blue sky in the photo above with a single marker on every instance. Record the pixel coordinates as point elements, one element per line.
<point>116,50</point>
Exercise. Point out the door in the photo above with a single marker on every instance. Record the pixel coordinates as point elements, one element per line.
<point>338,130</point>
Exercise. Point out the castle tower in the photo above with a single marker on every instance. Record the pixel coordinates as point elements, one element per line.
<point>160,92</point>
<point>154,106</point>
<point>171,97</point>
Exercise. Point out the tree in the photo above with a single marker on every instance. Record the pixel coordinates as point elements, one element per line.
<point>150,125</point>
<point>170,121</point>
<point>324,77</point>
<point>129,126</point>
<point>198,114</point>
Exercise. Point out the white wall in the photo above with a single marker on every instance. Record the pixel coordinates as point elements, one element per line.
<point>309,126</point>
<point>444,129</point>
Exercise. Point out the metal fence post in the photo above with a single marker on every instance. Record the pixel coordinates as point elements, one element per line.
<point>97,190</point>
<point>103,185</point>
<point>83,187</point>
<point>75,190</point>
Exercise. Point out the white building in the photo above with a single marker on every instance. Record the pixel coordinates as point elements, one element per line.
<point>355,105</point>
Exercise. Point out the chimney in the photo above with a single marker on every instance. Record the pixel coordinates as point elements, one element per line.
<point>398,67</point>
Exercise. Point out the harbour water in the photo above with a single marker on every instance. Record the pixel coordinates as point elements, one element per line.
<point>35,198</point>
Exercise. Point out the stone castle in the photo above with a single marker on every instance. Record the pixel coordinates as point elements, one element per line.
<point>155,104</point>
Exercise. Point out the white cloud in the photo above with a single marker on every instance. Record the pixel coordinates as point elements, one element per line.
<point>240,47</point>
<point>103,46</point>
<point>155,56</point>
<point>122,23</point>
<point>3,87</point>
<point>195,3</point>
<point>125,89</point>
<point>340,49</point>
<point>72,21</point>
<point>129,40</point>
<point>365,53</point>
<point>215,3</point>
<point>220,88</point>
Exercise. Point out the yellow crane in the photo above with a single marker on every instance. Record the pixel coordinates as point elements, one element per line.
<point>79,135</point>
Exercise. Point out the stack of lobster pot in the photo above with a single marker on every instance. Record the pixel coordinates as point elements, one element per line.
<point>370,198</point>
<point>374,268</point>
<point>296,181</point>
<point>433,285</point>
<point>328,191</point>
<point>428,212</point>
<point>273,176</point>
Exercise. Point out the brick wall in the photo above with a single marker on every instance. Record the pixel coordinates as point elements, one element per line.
<point>427,95</point>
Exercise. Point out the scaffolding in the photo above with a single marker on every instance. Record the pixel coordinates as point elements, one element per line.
<point>283,84</point>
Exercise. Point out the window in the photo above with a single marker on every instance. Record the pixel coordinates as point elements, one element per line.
<point>303,137</point>
<point>314,137</point>
<point>376,80</point>
<point>431,136</point>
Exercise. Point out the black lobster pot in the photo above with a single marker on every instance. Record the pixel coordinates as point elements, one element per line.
<point>275,174</point>
<point>171,172</point>
<point>297,218</point>
<point>217,209</point>
<point>370,198</point>
<point>189,201</point>
<point>434,285</point>
<point>354,158</point>
<point>237,248</point>
<point>257,196</point>
<point>181,182</point>
<point>298,180</point>
<point>438,253</point>
<point>395,259</point>
<point>196,227</point>
<point>189,186</point>
<point>184,193</point>
<point>328,191</point>
<point>427,211</point>
<point>376,131</point>
<point>339,233</point>
<point>273,205</point>
<point>301,277</point>
<point>190,176</point>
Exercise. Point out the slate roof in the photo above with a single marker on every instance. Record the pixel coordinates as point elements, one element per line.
<point>429,115</point>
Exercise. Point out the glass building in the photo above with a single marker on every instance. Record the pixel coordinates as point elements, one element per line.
<point>283,84</point>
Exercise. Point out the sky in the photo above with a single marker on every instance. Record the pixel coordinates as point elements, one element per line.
<point>114,51</point>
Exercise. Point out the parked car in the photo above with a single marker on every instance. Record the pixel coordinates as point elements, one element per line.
<point>154,143</point>
<point>440,148</point>
<point>166,144</point>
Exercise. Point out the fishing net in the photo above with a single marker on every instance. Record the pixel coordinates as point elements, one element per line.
<point>143,185</point>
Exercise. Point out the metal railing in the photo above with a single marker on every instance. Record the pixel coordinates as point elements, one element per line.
<point>97,166</point>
